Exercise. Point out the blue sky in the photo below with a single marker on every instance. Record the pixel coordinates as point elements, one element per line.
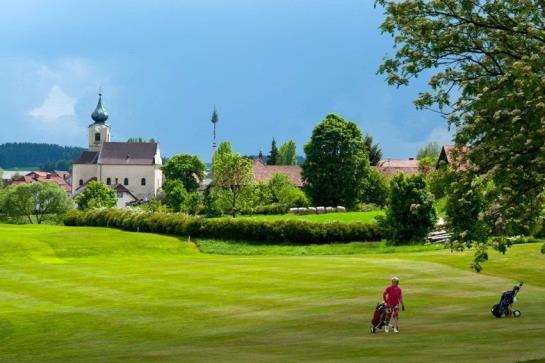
<point>273,68</point>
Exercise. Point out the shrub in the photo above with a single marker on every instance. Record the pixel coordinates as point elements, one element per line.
<point>275,208</point>
<point>410,215</point>
<point>290,231</point>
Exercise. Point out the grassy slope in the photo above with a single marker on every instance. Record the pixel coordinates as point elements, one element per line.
<point>91,294</point>
<point>328,217</point>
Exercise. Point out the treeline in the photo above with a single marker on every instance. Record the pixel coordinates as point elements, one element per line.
<point>43,156</point>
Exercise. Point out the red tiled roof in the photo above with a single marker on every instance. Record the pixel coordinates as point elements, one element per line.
<point>42,177</point>
<point>263,173</point>
<point>390,167</point>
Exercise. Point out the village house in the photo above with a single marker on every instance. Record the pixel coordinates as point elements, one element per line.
<point>263,173</point>
<point>133,170</point>
<point>449,156</point>
<point>391,167</point>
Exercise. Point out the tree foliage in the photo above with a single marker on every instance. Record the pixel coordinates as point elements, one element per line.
<point>287,153</point>
<point>232,174</point>
<point>336,169</point>
<point>283,192</point>
<point>377,189</point>
<point>42,200</point>
<point>488,64</point>
<point>431,151</point>
<point>272,159</point>
<point>96,195</point>
<point>410,215</point>
<point>26,154</point>
<point>189,169</point>
<point>373,150</point>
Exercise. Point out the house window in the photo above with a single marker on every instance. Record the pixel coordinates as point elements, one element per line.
<point>97,136</point>
<point>116,181</point>
<point>126,181</point>
<point>80,182</point>
<point>109,181</point>
<point>120,194</point>
<point>143,181</point>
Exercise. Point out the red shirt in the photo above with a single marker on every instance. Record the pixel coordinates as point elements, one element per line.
<point>393,295</point>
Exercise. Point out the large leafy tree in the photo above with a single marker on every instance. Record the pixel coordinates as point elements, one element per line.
<point>336,169</point>
<point>188,169</point>
<point>487,60</point>
<point>287,153</point>
<point>232,175</point>
<point>41,200</point>
<point>410,215</point>
<point>96,195</point>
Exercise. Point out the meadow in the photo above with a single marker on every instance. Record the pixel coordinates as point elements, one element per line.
<point>83,294</point>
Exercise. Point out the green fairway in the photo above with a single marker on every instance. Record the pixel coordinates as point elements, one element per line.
<point>70,294</point>
<point>346,217</point>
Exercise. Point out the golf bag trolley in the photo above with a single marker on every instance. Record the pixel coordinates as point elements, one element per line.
<point>508,298</point>
<point>379,318</point>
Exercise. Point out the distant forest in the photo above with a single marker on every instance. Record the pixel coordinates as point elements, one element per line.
<point>46,157</point>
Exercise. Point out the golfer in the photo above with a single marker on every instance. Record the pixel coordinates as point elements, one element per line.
<point>393,298</point>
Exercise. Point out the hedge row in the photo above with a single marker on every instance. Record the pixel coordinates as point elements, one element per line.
<point>289,231</point>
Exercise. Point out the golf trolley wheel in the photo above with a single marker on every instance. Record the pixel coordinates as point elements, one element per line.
<point>516,314</point>
<point>372,329</point>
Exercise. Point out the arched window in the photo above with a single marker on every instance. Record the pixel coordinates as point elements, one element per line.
<point>97,136</point>
<point>126,181</point>
<point>109,181</point>
<point>80,182</point>
<point>143,181</point>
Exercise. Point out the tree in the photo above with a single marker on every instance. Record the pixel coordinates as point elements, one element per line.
<point>273,155</point>
<point>430,150</point>
<point>466,221</point>
<point>336,169</point>
<point>283,192</point>
<point>188,169</point>
<point>232,174</point>
<point>96,195</point>
<point>42,200</point>
<point>426,164</point>
<point>176,194</point>
<point>487,65</point>
<point>377,189</point>
<point>287,153</point>
<point>410,215</point>
<point>373,150</point>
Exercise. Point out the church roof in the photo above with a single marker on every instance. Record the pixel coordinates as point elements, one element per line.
<point>87,157</point>
<point>128,153</point>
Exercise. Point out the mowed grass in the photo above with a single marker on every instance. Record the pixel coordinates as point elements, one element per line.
<point>346,217</point>
<point>72,294</point>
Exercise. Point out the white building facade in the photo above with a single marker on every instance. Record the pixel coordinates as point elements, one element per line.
<point>132,169</point>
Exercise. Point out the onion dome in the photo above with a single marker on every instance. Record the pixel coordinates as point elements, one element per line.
<point>99,115</point>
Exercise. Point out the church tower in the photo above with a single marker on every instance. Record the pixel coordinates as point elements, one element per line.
<point>99,131</point>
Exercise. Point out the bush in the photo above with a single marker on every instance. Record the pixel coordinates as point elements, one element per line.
<point>275,208</point>
<point>410,215</point>
<point>376,191</point>
<point>290,231</point>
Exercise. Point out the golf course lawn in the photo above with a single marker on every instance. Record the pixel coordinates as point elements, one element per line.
<point>73,294</point>
<point>346,217</point>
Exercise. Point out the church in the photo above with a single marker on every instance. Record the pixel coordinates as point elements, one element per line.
<point>133,170</point>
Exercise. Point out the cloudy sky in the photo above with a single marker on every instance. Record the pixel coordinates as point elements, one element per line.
<point>273,68</point>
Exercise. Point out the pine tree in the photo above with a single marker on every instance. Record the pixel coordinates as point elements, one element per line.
<point>273,155</point>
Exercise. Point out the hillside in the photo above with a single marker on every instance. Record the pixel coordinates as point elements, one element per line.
<point>72,294</point>
<point>43,156</point>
